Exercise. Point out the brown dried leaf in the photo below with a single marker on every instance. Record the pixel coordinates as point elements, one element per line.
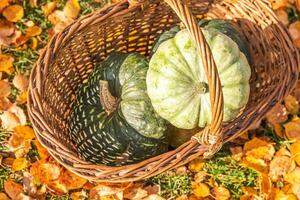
<point>28,184</point>
<point>3,196</point>
<point>265,185</point>
<point>12,188</point>
<point>5,104</point>
<point>277,115</point>
<point>13,13</point>
<point>104,191</point>
<point>5,89</point>
<point>221,193</point>
<point>43,153</point>
<point>13,117</point>
<point>19,164</point>
<point>48,8</point>
<point>6,64</point>
<point>6,28</point>
<point>135,193</point>
<point>282,16</point>
<point>72,9</point>
<point>21,82</point>
<point>280,166</point>
<point>59,20</point>
<point>33,3</point>
<point>33,31</point>
<point>237,153</point>
<point>154,197</point>
<point>57,187</point>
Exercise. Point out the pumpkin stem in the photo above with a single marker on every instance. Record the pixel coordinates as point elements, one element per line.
<point>107,100</point>
<point>201,88</point>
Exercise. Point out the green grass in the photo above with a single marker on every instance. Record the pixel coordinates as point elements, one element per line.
<point>172,185</point>
<point>230,174</point>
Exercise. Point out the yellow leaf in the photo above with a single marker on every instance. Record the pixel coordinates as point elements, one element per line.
<point>291,104</point>
<point>13,13</point>
<point>45,172</point>
<point>57,187</point>
<point>34,43</point>
<point>282,196</point>
<point>72,9</point>
<point>200,190</point>
<point>196,165</point>
<point>221,193</point>
<point>295,151</point>
<point>19,164</point>
<point>279,130</point>
<point>24,131</point>
<point>33,31</point>
<point>293,177</point>
<point>292,129</point>
<point>276,4</point>
<point>48,8</point>
<point>5,89</point>
<point>22,98</point>
<point>282,16</point>
<point>79,195</point>
<point>6,64</point>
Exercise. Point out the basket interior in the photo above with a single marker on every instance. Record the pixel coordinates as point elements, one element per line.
<point>136,31</point>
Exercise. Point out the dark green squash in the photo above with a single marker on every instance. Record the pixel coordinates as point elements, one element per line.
<point>113,121</point>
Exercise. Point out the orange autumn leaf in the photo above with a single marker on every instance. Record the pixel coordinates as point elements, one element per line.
<point>282,196</point>
<point>294,30</point>
<point>79,195</point>
<point>282,16</point>
<point>48,8</point>
<point>4,3</point>
<point>45,172</point>
<point>5,104</point>
<point>72,9</point>
<point>22,98</point>
<point>24,131</point>
<point>6,64</point>
<point>5,88</point>
<point>292,129</point>
<point>71,180</point>
<point>33,31</point>
<point>276,4</point>
<point>254,143</point>
<point>221,193</point>
<point>19,164</point>
<point>196,165</point>
<point>291,104</point>
<point>295,151</point>
<point>43,153</point>
<point>265,184</point>
<point>12,188</point>
<point>200,190</point>
<point>13,13</point>
<point>3,196</point>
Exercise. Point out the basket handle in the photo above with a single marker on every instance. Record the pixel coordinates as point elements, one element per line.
<point>212,134</point>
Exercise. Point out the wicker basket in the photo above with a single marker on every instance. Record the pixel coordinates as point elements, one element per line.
<point>71,55</point>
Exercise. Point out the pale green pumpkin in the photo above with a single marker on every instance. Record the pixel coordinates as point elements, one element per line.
<point>177,84</point>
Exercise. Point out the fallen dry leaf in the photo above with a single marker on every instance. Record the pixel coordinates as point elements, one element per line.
<point>71,180</point>
<point>79,195</point>
<point>33,3</point>
<point>276,4</point>
<point>221,193</point>
<point>5,104</point>
<point>265,185</point>
<point>237,153</point>
<point>59,20</point>
<point>13,117</point>
<point>72,9</point>
<point>28,184</point>
<point>45,172</point>
<point>33,31</point>
<point>200,190</point>
<point>5,89</point>
<point>282,16</point>
<point>277,115</point>
<point>21,82</point>
<point>48,8</point>
<point>196,165</point>
<point>154,197</point>
<point>282,196</point>
<point>254,143</point>
<point>13,13</point>
<point>22,98</point>
<point>57,187</point>
<point>19,164</point>
<point>296,190</point>
<point>6,64</point>
<point>24,131</point>
<point>6,28</point>
<point>3,196</point>
<point>292,129</point>
<point>3,3</point>
<point>293,177</point>
<point>43,153</point>
<point>135,193</point>
<point>291,104</point>
<point>295,152</point>
<point>280,166</point>
<point>104,190</point>
<point>34,43</point>
<point>12,188</point>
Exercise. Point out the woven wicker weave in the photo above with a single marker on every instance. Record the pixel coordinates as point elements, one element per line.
<point>71,55</point>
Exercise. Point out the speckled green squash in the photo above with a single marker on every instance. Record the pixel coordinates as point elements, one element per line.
<point>113,121</point>
<point>177,84</point>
